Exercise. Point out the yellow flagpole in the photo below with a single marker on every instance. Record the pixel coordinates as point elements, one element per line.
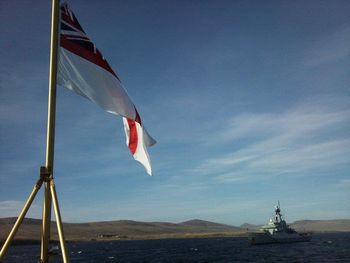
<point>46,173</point>
<point>50,139</point>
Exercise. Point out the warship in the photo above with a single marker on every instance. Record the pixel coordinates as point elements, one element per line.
<point>277,231</point>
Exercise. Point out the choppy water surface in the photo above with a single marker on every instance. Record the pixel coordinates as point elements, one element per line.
<point>322,248</point>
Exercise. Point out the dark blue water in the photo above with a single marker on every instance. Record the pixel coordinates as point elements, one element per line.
<point>322,248</point>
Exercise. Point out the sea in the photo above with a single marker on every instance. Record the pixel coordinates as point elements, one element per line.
<point>333,247</point>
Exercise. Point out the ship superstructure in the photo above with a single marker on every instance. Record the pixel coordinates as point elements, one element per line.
<point>277,231</point>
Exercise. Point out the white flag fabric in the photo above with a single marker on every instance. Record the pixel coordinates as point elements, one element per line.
<point>83,69</point>
<point>138,140</point>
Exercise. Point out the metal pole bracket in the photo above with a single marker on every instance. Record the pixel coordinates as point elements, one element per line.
<point>45,174</point>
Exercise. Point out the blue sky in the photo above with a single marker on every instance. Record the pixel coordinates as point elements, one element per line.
<point>249,102</point>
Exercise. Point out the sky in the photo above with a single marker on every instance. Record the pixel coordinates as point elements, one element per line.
<point>249,102</point>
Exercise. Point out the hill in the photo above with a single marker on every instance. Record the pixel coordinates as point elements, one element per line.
<point>339,225</point>
<point>127,229</point>
<point>208,225</point>
<point>121,229</point>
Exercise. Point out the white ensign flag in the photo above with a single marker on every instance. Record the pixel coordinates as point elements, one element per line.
<point>83,69</point>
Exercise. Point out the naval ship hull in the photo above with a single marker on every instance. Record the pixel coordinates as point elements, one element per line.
<point>267,238</point>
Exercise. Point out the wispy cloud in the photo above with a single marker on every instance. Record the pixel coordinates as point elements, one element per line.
<point>305,118</point>
<point>330,48</point>
<point>305,138</point>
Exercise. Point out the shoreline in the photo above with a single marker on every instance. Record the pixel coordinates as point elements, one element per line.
<point>25,242</point>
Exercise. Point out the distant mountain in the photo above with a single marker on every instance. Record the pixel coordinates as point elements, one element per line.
<point>338,225</point>
<point>207,224</point>
<point>12,220</point>
<point>128,229</point>
<point>122,229</point>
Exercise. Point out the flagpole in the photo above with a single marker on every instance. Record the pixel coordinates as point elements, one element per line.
<point>50,139</point>
<point>46,172</point>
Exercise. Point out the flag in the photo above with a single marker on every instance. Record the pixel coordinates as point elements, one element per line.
<point>83,69</point>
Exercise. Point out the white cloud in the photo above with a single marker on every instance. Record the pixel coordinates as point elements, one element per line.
<point>302,158</point>
<point>304,139</point>
<point>308,117</point>
<point>231,177</point>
